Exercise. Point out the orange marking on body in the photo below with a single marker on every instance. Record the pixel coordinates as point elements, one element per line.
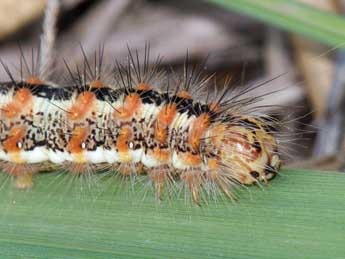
<point>11,143</point>
<point>198,129</point>
<point>78,137</point>
<point>21,100</point>
<point>96,84</point>
<point>130,106</point>
<point>143,87</point>
<point>122,140</point>
<point>161,134</point>
<point>161,155</point>
<point>190,159</point>
<point>33,80</point>
<point>166,115</point>
<point>83,104</point>
<point>164,119</point>
<point>184,94</point>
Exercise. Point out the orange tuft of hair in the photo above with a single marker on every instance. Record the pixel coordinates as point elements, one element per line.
<point>164,119</point>
<point>130,105</point>
<point>21,100</point>
<point>82,106</point>
<point>214,107</point>
<point>96,84</point>
<point>184,94</point>
<point>198,129</point>
<point>166,115</point>
<point>143,87</point>
<point>33,80</point>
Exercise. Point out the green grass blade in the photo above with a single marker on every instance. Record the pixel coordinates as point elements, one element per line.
<point>301,214</point>
<point>294,17</point>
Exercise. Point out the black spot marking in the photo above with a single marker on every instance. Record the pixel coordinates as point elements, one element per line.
<point>257,145</point>
<point>255,174</point>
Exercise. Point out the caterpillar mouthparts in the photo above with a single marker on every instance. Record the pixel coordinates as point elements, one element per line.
<point>134,127</point>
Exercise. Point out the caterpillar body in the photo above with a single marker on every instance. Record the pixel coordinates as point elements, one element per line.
<point>132,127</point>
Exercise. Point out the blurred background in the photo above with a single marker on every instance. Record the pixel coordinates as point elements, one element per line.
<point>291,45</point>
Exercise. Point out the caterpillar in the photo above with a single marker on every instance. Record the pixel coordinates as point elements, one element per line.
<point>141,121</point>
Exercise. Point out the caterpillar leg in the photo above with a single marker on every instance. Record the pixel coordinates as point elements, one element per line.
<point>159,177</point>
<point>272,169</point>
<point>24,181</point>
<point>127,169</point>
<point>193,179</point>
<point>23,173</point>
<point>222,181</point>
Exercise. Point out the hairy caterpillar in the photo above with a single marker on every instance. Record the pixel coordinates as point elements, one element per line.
<point>133,127</point>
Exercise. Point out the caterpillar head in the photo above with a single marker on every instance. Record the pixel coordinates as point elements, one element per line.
<point>246,151</point>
